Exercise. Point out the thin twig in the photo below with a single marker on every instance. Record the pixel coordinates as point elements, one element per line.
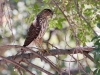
<point>19,71</point>
<point>16,64</point>
<point>43,58</point>
<point>77,9</point>
<point>37,67</point>
<point>35,53</point>
<point>73,32</point>
<point>78,63</point>
<point>8,18</point>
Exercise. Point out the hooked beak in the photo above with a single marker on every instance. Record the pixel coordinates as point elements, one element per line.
<point>51,15</point>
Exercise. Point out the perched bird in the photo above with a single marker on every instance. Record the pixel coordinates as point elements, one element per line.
<point>38,28</point>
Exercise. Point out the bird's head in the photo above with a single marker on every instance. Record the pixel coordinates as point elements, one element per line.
<point>47,13</point>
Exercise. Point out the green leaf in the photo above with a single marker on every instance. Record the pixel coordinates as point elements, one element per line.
<point>82,5</point>
<point>16,0</point>
<point>97,42</point>
<point>88,69</point>
<point>96,57</point>
<point>59,25</point>
<point>35,6</point>
<point>98,25</point>
<point>96,37</point>
<point>96,72</point>
<point>87,12</point>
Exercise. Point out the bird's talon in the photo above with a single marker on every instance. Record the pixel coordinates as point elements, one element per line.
<point>45,51</point>
<point>42,52</point>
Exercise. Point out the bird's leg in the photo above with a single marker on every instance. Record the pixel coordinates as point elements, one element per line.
<point>45,50</point>
<point>42,50</point>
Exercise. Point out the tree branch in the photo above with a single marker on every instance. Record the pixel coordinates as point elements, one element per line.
<point>37,67</point>
<point>73,32</point>
<point>77,9</point>
<point>35,53</point>
<point>1,10</point>
<point>16,64</point>
<point>52,52</point>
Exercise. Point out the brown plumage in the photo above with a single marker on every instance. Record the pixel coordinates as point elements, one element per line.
<point>38,28</point>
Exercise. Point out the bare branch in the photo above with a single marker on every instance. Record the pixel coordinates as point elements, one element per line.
<point>16,64</point>
<point>52,52</point>
<point>35,53</point>
<point>19,71</point>
<point>1,10</point>
<point>37,67</point>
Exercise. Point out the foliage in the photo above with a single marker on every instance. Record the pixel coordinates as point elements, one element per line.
<point>82,17</point>
<point>96,53</point>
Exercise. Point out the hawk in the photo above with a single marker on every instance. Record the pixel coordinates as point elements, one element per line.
<point>38,28</point>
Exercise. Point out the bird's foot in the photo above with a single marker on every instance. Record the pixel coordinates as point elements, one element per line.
<point>43,52</point>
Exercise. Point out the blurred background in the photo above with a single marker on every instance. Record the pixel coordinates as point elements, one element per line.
<point>18,15</point>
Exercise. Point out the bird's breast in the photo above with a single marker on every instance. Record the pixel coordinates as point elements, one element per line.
<point>43,29</point>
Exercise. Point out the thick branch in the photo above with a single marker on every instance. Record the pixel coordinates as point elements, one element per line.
<point>38,55</point>
<point>52,52</point>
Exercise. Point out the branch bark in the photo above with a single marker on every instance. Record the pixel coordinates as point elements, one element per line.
<point>35,53</point>
<point>16,64</point>
<point>1,11</point>
<point>52,52</point>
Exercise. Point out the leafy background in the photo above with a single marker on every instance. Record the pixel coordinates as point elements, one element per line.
<point>18,14</point>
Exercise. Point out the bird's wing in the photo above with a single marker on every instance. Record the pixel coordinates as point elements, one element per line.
<point>32,34</point>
